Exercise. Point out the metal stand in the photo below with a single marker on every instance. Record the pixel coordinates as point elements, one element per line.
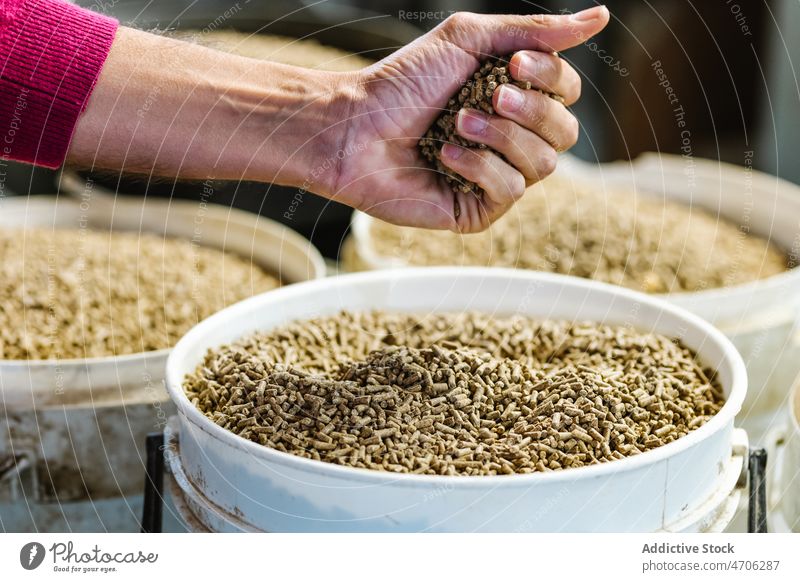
<point>154,487</point>
<point>153,507</point>
<point>757,504</point>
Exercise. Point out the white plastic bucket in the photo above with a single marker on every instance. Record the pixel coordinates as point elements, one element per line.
<point>784,466</point>
<point>73,430</point>
<point>761,318</point>
<point>273,491</point>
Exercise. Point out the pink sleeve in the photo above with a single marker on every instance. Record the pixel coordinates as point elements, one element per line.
<point>51,53</point>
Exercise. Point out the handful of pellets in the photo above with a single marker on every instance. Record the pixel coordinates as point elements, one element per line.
<point>80,293</point>
<point>455,394</point>
<point>476,93</point>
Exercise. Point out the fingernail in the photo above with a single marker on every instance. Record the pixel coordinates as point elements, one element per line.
<point>471,122</point>
<point>589,14</point>
<point>451,151</point>
<point>511,99</point>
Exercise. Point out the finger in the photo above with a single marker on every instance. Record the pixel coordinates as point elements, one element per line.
<point>503,185</point>
<point>547,72</point>
<point>527,152</point>
<point>545,116</point>
<point>499,35</point>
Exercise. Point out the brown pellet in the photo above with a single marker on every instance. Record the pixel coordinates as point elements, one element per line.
<point>617,236</point>
<point>476,93</point>
<point>507,395</point>
<point>83,293</point>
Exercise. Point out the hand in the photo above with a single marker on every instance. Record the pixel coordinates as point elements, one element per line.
<point>382,172</point>
<point>192,112</point>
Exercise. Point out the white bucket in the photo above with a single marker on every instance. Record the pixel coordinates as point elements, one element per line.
<point>73,430</point>
<point>784,463</point>
<point>267,490</point>
<point>761,318</point>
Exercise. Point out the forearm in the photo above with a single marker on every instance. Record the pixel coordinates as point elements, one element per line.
<point>172,108</point>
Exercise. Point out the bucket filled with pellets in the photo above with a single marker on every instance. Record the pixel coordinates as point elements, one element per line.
<point>93,294</point>
<point>784,465</point>
<point>455,399</point>
<point>705,247</point>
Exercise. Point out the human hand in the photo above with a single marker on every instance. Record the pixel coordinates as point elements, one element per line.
<point>382,171</point>
<point>196,113</point>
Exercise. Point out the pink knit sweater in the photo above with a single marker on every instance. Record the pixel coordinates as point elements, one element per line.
<point>51,54</point>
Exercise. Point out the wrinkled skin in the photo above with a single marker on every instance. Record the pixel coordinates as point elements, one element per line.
<point>402,95</point>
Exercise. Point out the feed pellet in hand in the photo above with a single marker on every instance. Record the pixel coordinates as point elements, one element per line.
<point>475,93</point>
<point>80,293</point>
<point>611,235</point>
<point>455,394</point>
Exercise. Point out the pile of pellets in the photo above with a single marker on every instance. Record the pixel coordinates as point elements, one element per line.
<point>645,243</point>
<point>476,93</point>
<point>79,293</point>
<point>307,53</point>
<point>455,394</point>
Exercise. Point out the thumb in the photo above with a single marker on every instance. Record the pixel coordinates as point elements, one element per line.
<point>484,35</point>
